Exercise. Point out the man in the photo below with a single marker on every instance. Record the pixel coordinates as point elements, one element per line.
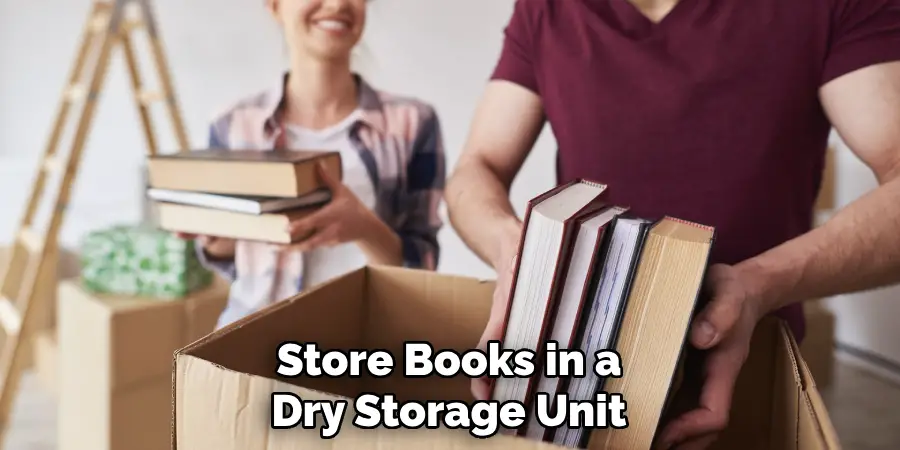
<point>715,111</point>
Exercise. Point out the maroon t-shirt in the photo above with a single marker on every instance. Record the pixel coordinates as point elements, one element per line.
<point>711,115</point>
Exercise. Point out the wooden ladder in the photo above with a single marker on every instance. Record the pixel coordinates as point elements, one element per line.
<point>33,255</point>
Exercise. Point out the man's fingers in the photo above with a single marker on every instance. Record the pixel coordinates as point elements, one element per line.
<point>715,321</point>
<point>722,369</point>
<point>700,443</point>
<point>493,330</point>
<point>699,422</point>
<point>481,388</point>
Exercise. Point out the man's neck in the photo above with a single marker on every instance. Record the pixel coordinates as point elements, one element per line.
<point>655,10</point>
<point>320,93</point>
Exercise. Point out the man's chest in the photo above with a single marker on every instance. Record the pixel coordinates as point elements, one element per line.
<point>707,62</point>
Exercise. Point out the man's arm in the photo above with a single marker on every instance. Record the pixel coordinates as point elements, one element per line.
<point>506,124</point>
<point>859,248</point>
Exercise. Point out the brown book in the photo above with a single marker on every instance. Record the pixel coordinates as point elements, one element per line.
<point>271,227</point>
<point>268,173</point>
<point>548,235</point>
<point>654,328</point>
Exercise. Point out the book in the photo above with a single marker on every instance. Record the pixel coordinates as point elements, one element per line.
<point>268,173</point>
<point>268,227</point>
<point>655,325</point>
<point>240,203</point>
<point>601,280</point>
<point>599,329</point>
<point>543,256</point>
<point>586,255</point>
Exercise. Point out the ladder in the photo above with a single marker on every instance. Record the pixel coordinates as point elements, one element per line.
<point>33,254</point>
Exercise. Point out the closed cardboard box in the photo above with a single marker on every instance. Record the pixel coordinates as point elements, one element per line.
<point>224,382</point>
<point>115,364</point>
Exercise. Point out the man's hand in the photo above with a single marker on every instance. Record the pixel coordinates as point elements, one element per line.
<point>481,387</point>
<point>216,247</point>
<point>725,327</point>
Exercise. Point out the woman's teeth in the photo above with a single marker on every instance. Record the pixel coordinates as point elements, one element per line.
<point>335,25</point>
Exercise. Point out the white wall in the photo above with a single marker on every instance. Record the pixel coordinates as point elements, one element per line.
<point>441,51</point>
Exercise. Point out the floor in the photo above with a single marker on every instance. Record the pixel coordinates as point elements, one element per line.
<point>865,410</point>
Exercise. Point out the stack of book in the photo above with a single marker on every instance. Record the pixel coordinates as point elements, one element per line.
<point>591,277</point>
<point>241,194</point>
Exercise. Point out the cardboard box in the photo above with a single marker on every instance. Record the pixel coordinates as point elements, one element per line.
<point>223,383</point>
<point>115,364</point>
<point>819,343</point>
<point>46,360</point>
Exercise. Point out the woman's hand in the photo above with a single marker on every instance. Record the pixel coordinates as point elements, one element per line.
<point>346,219</point>
<point>215,247</point>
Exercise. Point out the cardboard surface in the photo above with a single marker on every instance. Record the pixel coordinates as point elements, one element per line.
<point>46,360</point>
<point>115,361</point>
<point>223,382</point>
<point>819,344</point>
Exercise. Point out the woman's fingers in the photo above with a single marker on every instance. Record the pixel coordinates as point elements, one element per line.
<point>332,183</point>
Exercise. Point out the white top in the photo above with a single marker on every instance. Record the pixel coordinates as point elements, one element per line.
<point>321,264</point>
<point>325,263</point>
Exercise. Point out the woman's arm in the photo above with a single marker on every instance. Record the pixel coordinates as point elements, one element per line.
<point>380,244</point>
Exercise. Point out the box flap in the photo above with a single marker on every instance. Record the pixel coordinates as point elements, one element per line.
<point>241,417</point>
<point>815,429</point>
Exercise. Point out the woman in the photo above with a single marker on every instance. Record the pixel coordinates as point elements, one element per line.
<point>384,211</point>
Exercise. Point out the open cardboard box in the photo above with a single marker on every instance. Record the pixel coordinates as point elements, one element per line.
<point>223,382</point>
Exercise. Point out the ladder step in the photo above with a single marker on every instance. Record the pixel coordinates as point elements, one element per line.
<point>75,92</point>
<point>100,22</point>
<point>53,164</point>
<point>32,240</point>
<point>146,97</point>
<point>131,25</point>
<point>10,317</point>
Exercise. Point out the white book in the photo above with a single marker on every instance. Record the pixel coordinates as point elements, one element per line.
<point>242,204</point>
<point>547,239</point>
<point>582,264</point>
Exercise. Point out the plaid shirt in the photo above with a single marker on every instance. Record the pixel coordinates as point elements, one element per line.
<point>400,142</point>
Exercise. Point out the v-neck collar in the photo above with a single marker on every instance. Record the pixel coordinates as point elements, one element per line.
<point>638,24</point>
